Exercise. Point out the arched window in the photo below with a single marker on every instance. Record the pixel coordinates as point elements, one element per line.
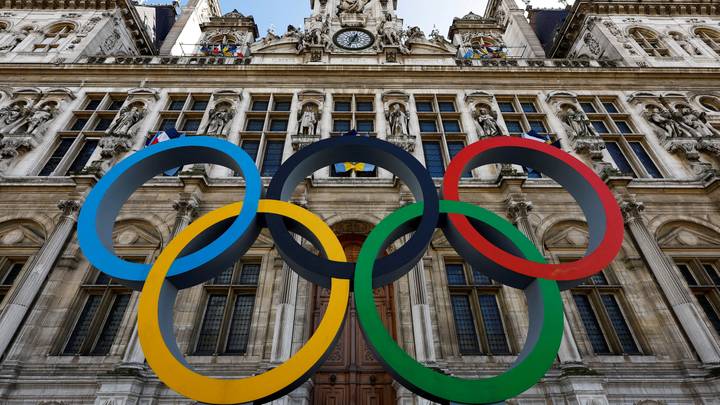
<point>710,37</point>
<point>650,42</point>
<point>711,103</point>
<point>53,37</point>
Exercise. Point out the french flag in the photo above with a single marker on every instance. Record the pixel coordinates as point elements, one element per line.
<point>164,136</point>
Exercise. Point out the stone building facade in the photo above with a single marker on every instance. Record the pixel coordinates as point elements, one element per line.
<point>631,88</point>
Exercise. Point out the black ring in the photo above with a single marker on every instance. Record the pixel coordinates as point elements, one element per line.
<point>354,149</point>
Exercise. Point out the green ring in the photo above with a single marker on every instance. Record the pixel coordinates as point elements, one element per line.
<point>544,333</point>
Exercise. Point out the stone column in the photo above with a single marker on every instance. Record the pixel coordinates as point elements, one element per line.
<point>421,324</point>
<point>673,286</point>
<point>518,209</point>
<point>186,210</point>
<point>32,281</point>
<point>285,316</point>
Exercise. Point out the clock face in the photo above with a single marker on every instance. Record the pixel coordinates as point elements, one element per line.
<point>354,39</point>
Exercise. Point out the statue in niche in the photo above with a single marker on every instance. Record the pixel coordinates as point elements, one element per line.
<point>220,119</point>
<point>697,122</point>
<point>308,120</point>
<point>126,120</point>
<point>352,6</point>
<point>398,120</point>
<point>665,120</point>
<point>317,34</point>
<point>486,121</point>
<point>577,123</point>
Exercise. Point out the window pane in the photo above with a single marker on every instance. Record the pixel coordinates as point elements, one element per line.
<point>79,124</point>
<point>250,274</point>
<point>481,279</point>
<point>240,324</point>
<point>514,127</point>
<point>366,126</point>
<point>446,106</point>
<point>599,279</point>
<point>112,324</point>
<point>282,106</point>
<point>12,272</point>
<point>191,125</point>
<point>538,126</point>
<point>82,327</point>
<point>687,274</point>
<point>341,126</point>
<point>224,278</point>
<point>588,108</point>
<point>342,106</point>
<point>116,104</point>
<point>260,105</point>
<point>278,125</point>
<point>600,127</point>
<point>592,327</point>
<point>528,107</point>
<point>103,124</point>
<point>83,157</point>
<point>619,158</point>
<point>176,105</point>
<point>273,158</point>
<point>712,273</point>
<point>428,126</point>
<point>424,106</point>
<point>506,107</point>
<point>645,159</point>
<point>255,125</point>
<point>199,105</point>
<point>454,147</point>
<point>102,279</point>
<point>210,330</point>
<point>57,156</point>
<point>451,126</point>
<point>610,108</point>
<point>623,127</point>
<point>710,311</point>
<point>493,324</point>
<point>433,159</point>
<point>92,105</point>
<point>618,322</point>
<point>167,124</point>
<point>465,326</point>
<point>251,147</point>
<point>455,274</point>
<point>365,106</point>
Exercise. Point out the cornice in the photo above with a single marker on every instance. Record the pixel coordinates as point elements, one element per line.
<point>569,31</point>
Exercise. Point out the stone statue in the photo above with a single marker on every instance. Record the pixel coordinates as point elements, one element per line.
<point>391,35</point>
<point>352,6</point>
<point>415,34</point>
<point>398,120</point>
<point>663,119</point>
<point>486,122</point>
<point>577,123</point>
<point>219,121</point>
<point>308,120</point>
<point>684,44</point>
<point>697,122</point>
<point>126,120</point>
<point>38,118</point>
<point>317,34</point>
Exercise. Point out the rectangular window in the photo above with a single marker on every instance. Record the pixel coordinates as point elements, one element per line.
<point>624,127</point>
<point>176,105</point>
<point>212,321</point>
<point>619,158</point>
<point>79,124</point>
<point>82,326</point>
<point>250,274</point>
<point>93,104</point>
<point>255,125</point>
<point>57,156</point>
<point>224,278</point>
<point>446,106</point>
<point>167,124</point>
<point>454,147</point>
<point>365,106</point>
<point>588,108</point>
<point>11,272</point>
<point>480,278</point>
<point>428,126</point>
<point>191,125</point>
<point>645,159</point>
<point>711,312</point>
<point>455,274</point>
<point>494,330</point>
<point>116,104</point>
<point>112,325</point>
<point>252,148</point>
<point>341,126</point>
<point>592,326</point>
<point>342,106</point>
<point>514,127</point>
<point>199,105</point>
<point>260,105</point>
<point>83,157</point>
<point>687,274</point>
<point>538,126</point>
<point>506,107</point>
<point>366,126</point>
<point>103,124</point>
<point>424,106</point>
<point>273,158</point>
<point>239,332</point>
<point>600,127</point>
<point>452,126</point>
<point>434,159</point>
<point>282,106</point>
<point>528,107</point>
<point>610,108</point>
<point>278,125</point>
<point>619,325</point>
<point>464,325</point>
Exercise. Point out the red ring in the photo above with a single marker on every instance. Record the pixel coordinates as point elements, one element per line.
<point>589,265</point>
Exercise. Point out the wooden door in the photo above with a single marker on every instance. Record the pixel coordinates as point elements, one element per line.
<point>351,374</point>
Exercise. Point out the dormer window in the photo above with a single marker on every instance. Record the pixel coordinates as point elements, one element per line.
<point>649,42</point>
<point>710,37</point>
<point>53,36</point>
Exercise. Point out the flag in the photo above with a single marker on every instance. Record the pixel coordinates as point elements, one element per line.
<point>357,167</point>
<point>164,136</point>
<point>544,138</point>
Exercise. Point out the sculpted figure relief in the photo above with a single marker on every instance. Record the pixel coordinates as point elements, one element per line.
<point>486,121</point>
<point>663,119</point>
<point>697,121</point>
<point>577,123</point>
<point>398,120</point>
<point>13,113</point>
<point>317,34</point>
<point>308,120</point>
<point>126,120</point>
<point>220,119</point>
<point>683,122</point>
<point>352,6</point>
<point>38,118</point>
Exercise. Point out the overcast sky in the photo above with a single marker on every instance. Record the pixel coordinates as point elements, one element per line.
<point>424,13</point>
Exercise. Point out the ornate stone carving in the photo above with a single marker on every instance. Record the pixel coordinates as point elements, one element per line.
<point>126,121</point>
<point>632,209</point>
<point>308,119</point>
<point>592,44</point>
<point>352,6</point>
<point>25,125</point>
<point>398,122</point>
<point>485,119</point>
<point>186,208</point>
<point>390,34</point>
<point>220,119</point>
<point>518,208</point>
<point>69,207</point>
<point>576,123</point>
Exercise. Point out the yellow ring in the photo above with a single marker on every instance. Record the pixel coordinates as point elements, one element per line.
<point>161,348</point>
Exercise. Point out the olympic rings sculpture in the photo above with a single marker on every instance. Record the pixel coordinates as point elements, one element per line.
<point>218,239</point>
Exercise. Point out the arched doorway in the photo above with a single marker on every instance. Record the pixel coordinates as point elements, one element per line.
<point>351,374</point>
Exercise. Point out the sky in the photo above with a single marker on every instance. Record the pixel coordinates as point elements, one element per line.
<point>423,13</point>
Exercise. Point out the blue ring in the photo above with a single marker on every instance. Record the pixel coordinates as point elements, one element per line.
<point>102,205</point>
